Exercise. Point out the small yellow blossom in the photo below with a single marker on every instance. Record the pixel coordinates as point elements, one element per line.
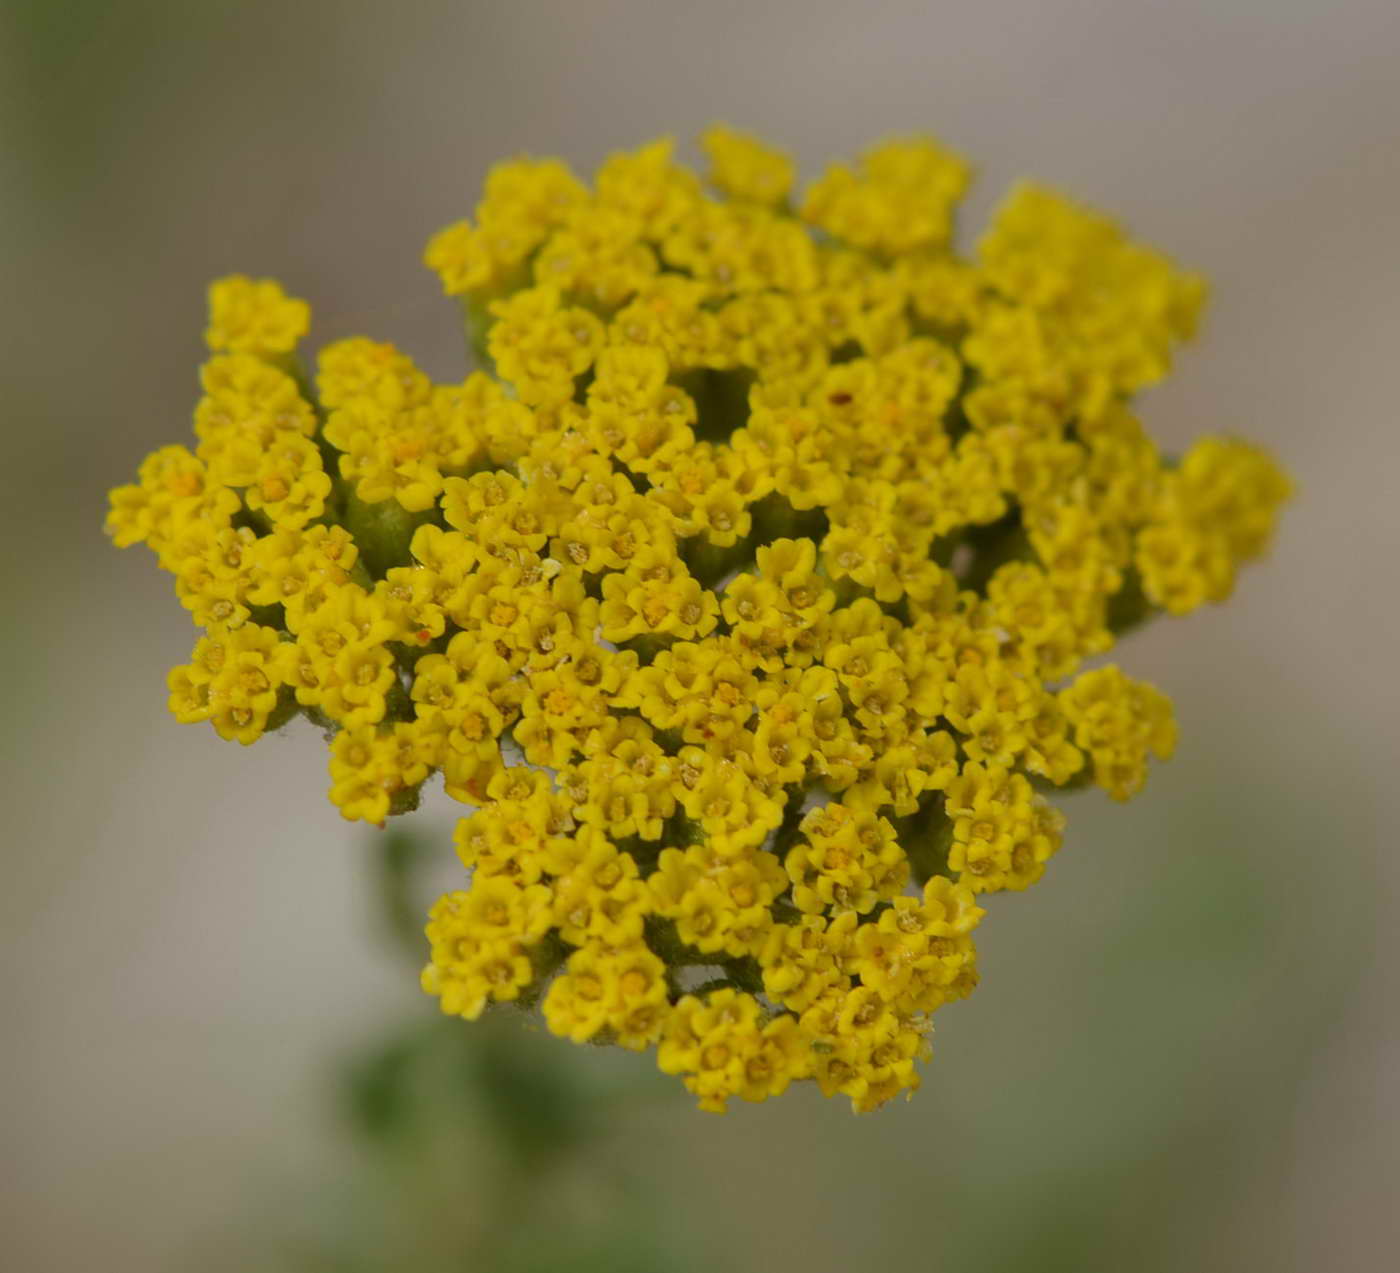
<point>254,316</point>
<point>1117,722</point>
<point>745,168</point>
<point>898,199</point>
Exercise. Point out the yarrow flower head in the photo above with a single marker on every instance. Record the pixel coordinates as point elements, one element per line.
<point>748,594</point>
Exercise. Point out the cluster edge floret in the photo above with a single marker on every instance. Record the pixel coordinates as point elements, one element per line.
<point>747,593</point>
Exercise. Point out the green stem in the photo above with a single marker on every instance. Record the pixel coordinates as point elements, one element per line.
<point>1129,607</point>
<point>993,546</point>
<point>721,401</point>
<point>382,532</point>
<point>927,836</point>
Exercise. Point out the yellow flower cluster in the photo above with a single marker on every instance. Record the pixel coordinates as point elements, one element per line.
<point>747,596</point>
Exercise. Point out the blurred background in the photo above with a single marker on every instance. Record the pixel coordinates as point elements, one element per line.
<point>1183,1054</point>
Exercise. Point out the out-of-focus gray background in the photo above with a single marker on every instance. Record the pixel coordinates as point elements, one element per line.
<point>1184,1051</point>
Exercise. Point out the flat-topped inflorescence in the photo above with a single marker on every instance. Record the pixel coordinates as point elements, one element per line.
<point>747,596</point>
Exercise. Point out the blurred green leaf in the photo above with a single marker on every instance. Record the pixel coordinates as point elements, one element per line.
<point>377,1086</point>
<point>401,854</point>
